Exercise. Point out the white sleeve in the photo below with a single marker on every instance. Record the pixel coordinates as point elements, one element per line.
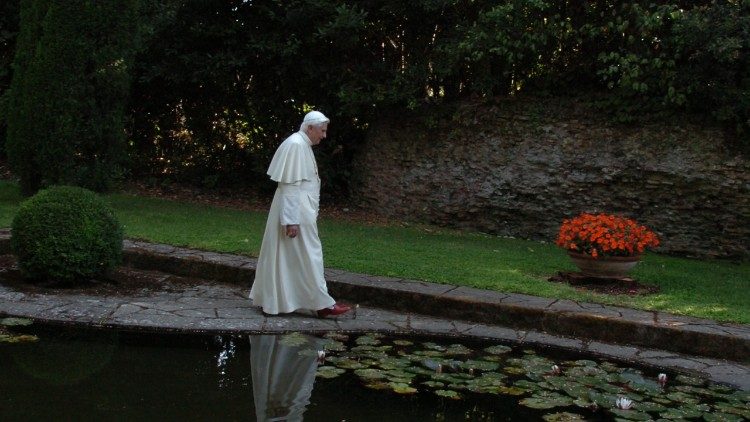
<point>289,203</point>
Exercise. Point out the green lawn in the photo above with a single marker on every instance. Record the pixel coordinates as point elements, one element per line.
<point>710,289</point>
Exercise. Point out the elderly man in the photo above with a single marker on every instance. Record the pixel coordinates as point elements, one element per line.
<point>290,275</point>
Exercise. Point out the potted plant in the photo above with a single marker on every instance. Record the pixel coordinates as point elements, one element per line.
<point>605,245</point>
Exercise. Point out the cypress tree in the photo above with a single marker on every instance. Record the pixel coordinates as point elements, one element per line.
<point>69,90</point>
<point>21,142</point>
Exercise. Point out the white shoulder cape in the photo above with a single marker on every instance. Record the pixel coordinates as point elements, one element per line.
<point>293,161</point>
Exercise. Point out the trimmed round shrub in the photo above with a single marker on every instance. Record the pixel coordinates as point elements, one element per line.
<point>66,233</point>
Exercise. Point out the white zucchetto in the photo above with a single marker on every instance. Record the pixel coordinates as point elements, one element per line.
<point>314,118</point>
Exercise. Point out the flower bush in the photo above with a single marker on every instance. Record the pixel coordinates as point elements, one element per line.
<point>605,235</point>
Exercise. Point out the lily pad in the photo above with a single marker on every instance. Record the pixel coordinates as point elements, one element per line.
<point>721,417</point>
<point>498,349</point>
<point>430,353</point>
<point>433,346</point>
<point>333,335</point>
<point>293,339</point>
<point>13,322</point>
<point>662,400</point>
<point>739,396</point>
<point>681,397</point>
<point>432,365</point>
<point>390,362</point>
<point>723,389</point>
<point>329,372</point>
<point>609,367</point>
<point>740,409</point>
<point>419,371</point>
<point>514,370</point>
<point>631,414</point>
<point>648,406</point>
<point>449,378</point>
<point>638,382</point>
<point>575,390</point>
<point>585,403</point>
<point>370,374</point>
<point>511,391</point>
<point>334,346</point>
<point>403,342</point>
<point>457,350</point>
<point>609,388</point>
<point>585,371</point>
<point>528,385</point>
<point>601,399</point>
<point>367,340</point>
<point>563,417</point>
<point>434,384</point>
<point>23,338</point>
<point>347,363</point>
<point>495,376</point>
<point>308,352</point>
<point>378,385</point>
<point>681,413</point>
<point>486,382</point>
<point>402,388</point>
<point>547,401</point>
<point>481,365</point>
<point>373,350</point>
<point>448,394</point>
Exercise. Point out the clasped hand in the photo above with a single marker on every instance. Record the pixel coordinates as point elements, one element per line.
<point>292,230</point>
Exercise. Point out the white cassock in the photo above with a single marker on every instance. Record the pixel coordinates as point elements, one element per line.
<point>290,273</point>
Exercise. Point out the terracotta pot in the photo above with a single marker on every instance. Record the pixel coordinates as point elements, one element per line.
<point>604,266</point>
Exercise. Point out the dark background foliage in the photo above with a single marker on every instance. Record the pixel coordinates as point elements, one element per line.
<point>218,84</point>
<point>9,16</point>
<point>67,99</point>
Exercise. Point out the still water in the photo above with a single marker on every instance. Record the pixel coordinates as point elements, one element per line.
<point>107,375</point>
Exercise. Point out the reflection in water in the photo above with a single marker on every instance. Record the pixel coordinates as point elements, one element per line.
<point>283,376</point>
<point>227,350</point>
<point>69,360</point>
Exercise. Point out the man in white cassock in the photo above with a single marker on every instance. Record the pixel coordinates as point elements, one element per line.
<point>290,273</point>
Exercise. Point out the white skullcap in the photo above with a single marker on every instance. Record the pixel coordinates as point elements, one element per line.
<point>314,118</point>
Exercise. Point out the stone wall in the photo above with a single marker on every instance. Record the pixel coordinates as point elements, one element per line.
<point>520,168</point>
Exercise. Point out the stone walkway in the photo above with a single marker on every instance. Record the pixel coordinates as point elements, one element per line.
<point>215,301</point>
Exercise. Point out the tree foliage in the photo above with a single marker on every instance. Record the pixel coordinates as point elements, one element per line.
<point>218,84</point>
<point>221,83</point>
<point>68,96</point>
<point>9,16</point>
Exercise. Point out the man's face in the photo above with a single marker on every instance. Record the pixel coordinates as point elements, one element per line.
<point>317,133</point>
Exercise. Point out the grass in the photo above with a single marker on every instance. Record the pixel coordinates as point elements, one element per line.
<point>718,290</point>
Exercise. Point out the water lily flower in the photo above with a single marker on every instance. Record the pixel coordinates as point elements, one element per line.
<point>321,356</point>
<point>439,369</point>
<point>556,370</point>
<point>662,379</point>
<point>471,371</point>
<point>624,403</point>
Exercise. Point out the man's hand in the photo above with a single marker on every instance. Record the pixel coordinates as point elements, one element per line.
<point>292,230</point>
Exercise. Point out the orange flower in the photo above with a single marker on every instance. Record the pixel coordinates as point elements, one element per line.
<point>605,235</point>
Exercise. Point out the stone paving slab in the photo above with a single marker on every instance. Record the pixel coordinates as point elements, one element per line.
<point>215,308</point>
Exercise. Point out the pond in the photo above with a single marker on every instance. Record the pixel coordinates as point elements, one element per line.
<point>55,373</point>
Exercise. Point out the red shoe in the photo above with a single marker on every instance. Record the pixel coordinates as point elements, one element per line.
<point>336,310</point>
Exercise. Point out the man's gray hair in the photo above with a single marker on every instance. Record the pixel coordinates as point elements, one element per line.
<point>314,118</point>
